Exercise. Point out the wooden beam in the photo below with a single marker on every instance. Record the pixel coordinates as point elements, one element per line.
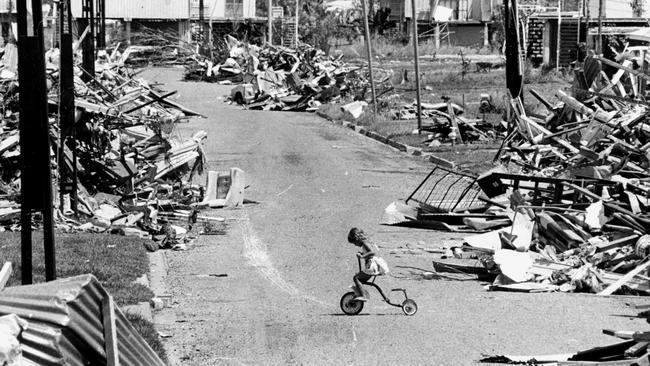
<point>628,240</point>
<point>621,67</point>
<point>628,276</point>
<point>5,273</point>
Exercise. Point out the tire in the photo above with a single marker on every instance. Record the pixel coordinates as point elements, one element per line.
<point>409,307</point>
<point>349,305</point>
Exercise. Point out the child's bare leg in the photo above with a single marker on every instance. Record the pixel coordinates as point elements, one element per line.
<point>357,282</point>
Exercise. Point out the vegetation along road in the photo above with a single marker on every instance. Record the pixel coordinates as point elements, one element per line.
<point>288,262</point>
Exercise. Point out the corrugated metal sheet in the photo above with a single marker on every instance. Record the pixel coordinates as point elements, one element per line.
<point>68,328</point>
<point>141,9</point>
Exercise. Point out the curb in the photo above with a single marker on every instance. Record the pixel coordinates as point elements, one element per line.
<point>155,281</point>
<point>157,272</point>
<point>410,150</point>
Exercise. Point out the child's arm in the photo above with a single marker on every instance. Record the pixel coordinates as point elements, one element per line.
<point>369,252</point>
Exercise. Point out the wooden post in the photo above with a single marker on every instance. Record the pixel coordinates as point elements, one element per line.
<point>559,35</point>
<point>101,20</point>
<point>127,26</point>
<point>599,41</point>
<point>88,59</point>
<point>417,63</point>
<point>369,54</point>
<point>36,174</point>
<point>514,77</point>
<point>436,36</point>
<point>66,104</point>
<point>295,31</point>
<point>486,35</point>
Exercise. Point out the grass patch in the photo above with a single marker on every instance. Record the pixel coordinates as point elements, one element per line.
<point>149,333</point>
<point>116,261</point>
<point>446,79</point>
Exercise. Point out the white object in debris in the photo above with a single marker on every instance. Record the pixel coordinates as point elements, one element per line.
<point>522,229</point>
<point>179,230</point>
<point>514,265</point>
<point>595,215</point>
<point>397,213</point>
<point>107,212</point>
<point>355,108</point>
<point>235,196</point>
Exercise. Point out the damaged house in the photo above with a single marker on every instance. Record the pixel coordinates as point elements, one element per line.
<point>177,16</point>
<point>577,26</point>
<point>453,22</point>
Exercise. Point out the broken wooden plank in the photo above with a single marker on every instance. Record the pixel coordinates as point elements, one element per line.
<point>5,274</point>
<point>618,243</point>
<point>623,280</point>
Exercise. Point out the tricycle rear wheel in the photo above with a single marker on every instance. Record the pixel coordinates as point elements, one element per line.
<point>349,305</point>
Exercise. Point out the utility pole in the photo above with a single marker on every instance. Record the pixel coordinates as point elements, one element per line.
<point>369,54</point>
<point>296,25</point>
<point>270,18</point>
<point>599,41</point>
<point>66,105</point>
<point>559,37</point>
<point>416,54</point>
<point>201,27</point>
<point>514,75</point>
<point>35,172</point>
<point>88,51</point>
<point>101,19</point>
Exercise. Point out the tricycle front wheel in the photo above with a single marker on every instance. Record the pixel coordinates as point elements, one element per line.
<point>409,307</point>
<point>349,305</point>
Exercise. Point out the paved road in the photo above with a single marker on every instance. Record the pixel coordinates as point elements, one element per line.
<point>288,262</point>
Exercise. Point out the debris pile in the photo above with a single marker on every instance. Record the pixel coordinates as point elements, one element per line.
<point>568,209</point>
<point>134,169</point>
<point>445,122</point>
<point>155,47</point>
<point>281,78</point>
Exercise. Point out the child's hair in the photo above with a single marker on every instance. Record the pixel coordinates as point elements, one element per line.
<point>356,235</point>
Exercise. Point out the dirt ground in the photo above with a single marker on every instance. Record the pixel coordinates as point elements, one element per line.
<point>287,261</point>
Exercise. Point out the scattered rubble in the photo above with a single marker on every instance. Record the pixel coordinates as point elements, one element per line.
<point>281,78</point>
<point>135,171</point>
<point>445,123</point>
<point>567,208</point>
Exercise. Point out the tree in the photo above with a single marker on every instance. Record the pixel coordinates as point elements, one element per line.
<point>638,8</point>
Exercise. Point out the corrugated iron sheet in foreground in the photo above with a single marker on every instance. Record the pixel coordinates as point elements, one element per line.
<point>65,324</point>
